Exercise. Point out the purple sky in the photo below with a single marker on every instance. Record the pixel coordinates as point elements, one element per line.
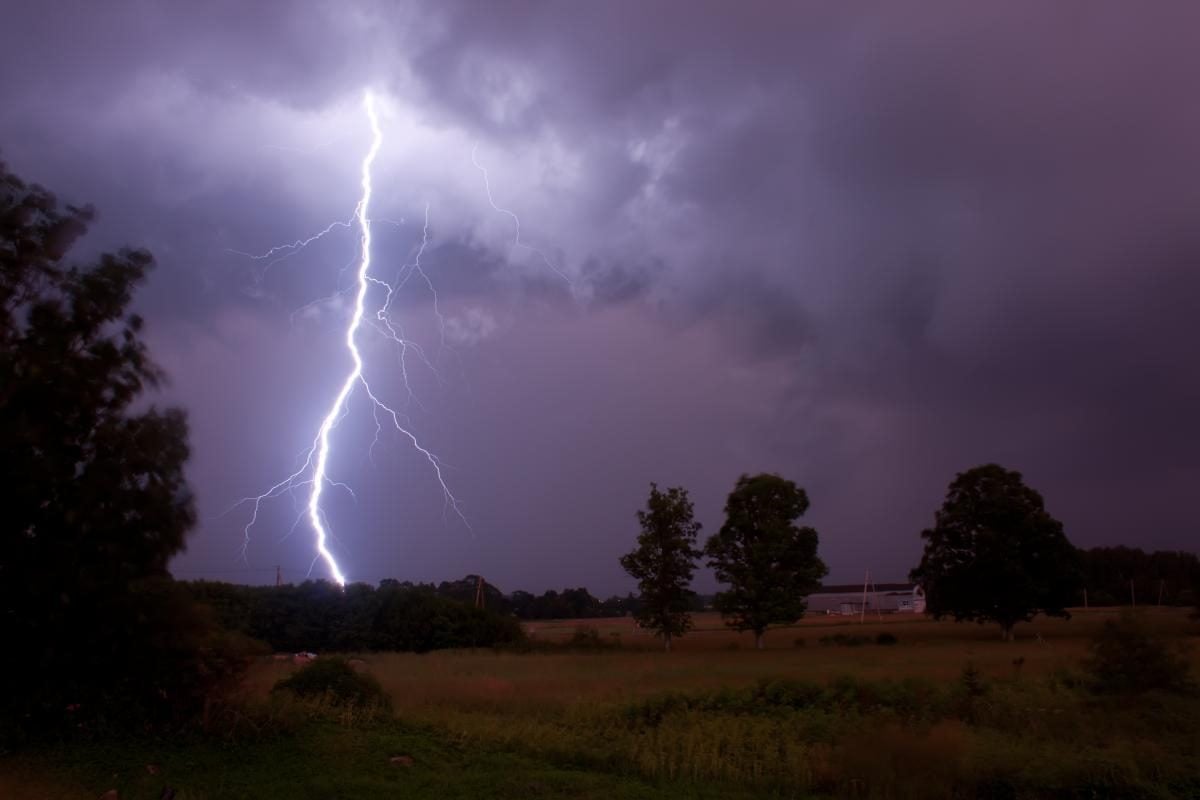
<point>865,245</point>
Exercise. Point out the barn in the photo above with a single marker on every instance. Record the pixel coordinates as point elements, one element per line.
<point>885,598</point>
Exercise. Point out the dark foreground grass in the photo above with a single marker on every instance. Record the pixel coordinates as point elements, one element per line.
<point>1031,720</point>
<point>321,760</point>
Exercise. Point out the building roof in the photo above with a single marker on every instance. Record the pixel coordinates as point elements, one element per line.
<point>850,588</point>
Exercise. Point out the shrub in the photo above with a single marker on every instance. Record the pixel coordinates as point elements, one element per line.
<point>845,640</point>
<point>333,678</point>
<point>886,638</point>
<point>972,681</point>
<point>157,663</point>
<point>1125,659</point>
<point>587,638</point>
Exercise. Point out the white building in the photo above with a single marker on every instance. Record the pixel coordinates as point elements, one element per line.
<point>886,598</point>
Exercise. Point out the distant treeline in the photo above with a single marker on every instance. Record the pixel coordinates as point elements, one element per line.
<point>576,603</point>
<point>1167,576</point>
<point>320,616</point>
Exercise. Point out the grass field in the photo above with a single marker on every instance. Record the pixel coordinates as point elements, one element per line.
<point>713,656</point>
<point>714,718</point>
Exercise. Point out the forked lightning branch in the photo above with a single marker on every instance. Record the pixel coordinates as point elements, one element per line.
<point>313,472</point>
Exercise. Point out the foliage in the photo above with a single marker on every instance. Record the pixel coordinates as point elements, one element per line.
<point>319,616</point>
<point>844,639</point>
<point>770,564</point>
<point>587,638</point>
<point>664,561</point>
<point>465,590</point>
<point>568,604</point>
<point>995,554</point>
<point>1125,659</point>
<point>1163,576</point>
<point>322,759</point>
<point>698,723</point>
<point>334,678</point>
<point>886,638</point>
<point>95,497</point>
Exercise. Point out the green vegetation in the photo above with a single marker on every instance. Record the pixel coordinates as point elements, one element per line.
<point>942,713</point>
<point>1125,575</point>
<point>1127,659</point>
<point>322,617</point>
<point>337,680</point>
<point>995,554</point>
<point>323,759</point>
<point>769,563</point>
<point>664,561</point>
<point>96,635</point>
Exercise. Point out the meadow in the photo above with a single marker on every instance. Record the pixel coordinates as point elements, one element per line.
<point>595,708</point>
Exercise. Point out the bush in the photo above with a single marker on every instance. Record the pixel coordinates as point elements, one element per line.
<point>886,638</point>
<point>333,678</point>
<point>154,661</point>
<point>587,638</point>
<point>1125,659</point>
<point>845,640</point>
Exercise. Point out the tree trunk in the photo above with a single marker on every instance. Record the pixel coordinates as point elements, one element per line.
<point>758,640</point>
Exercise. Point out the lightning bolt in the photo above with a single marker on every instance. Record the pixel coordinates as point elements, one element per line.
<point>313,472</point>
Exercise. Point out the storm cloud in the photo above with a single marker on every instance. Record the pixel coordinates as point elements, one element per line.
<point>867,246</point>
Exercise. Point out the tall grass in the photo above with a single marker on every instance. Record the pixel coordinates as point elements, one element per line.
<point>903,721</point>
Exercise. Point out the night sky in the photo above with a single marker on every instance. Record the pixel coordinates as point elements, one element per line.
<point>864,245</point>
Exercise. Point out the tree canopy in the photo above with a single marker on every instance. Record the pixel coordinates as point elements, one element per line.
<point>322,617</point>
<point>664,561</point>
<point>95,497</point>
<point>995,554</point>
<point>770,563</point>
<point>1125,575</point>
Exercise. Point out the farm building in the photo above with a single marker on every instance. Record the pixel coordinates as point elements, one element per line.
<point>886,598</point>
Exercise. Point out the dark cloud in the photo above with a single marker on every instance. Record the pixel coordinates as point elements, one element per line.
<point>867,247</point>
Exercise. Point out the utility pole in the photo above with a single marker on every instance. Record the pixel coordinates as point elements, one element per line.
<point>278,575</point>
<point>862,615</point>
<point>479,591</point>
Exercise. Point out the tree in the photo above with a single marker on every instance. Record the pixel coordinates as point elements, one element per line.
<point>95,497</point>
<point>995,554</point>
<point>1119,575</point>
<point>770,564</point>
<point>663,562</point>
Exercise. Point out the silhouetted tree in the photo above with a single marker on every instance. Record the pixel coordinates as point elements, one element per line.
<point>770,564</point>
<point>95,497</point>
<point>664,561</point>
<point>995,554</point>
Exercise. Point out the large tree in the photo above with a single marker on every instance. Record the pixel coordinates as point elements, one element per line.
<point>769,562</point>
<point>95,497</point>
<point>995,554</point>
<point>664,561</point>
